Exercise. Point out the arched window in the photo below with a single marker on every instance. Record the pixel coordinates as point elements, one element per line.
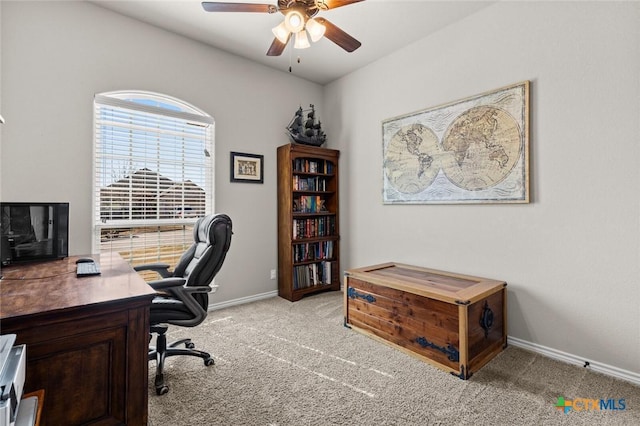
<point>153,171</point>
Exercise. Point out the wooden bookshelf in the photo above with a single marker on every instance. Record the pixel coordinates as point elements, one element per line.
<point>308,221</point>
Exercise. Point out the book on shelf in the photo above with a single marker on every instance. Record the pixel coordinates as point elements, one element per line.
<point>313,274</point>
<point>309,204</point>
<point>304,165</point>
<point>309,184</point>
<point>320,250</point>
<point>314,227</point>
<point>328,168</point>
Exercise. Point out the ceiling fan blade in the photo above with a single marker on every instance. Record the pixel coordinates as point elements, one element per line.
<point>218,6</point>
<point>277,47</point>
<point>332,4</point>
<point>338,36</point>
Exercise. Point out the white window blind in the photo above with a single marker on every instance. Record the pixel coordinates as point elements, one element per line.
<point>153,175</point>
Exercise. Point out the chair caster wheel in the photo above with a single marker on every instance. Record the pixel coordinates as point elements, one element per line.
<point>189,345</point>
<point>161,390</point>
<point>209,361</point>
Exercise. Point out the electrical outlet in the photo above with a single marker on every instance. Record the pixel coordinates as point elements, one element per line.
<point>273,274</point>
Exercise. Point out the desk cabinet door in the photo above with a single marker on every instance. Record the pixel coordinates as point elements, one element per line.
<point>89,368</point>
<point>89,363</point>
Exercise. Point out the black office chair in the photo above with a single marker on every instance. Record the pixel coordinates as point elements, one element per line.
<point>183,294</point>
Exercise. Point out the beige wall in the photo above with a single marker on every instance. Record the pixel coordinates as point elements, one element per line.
<point>571,256</point>
<point>57,55</point>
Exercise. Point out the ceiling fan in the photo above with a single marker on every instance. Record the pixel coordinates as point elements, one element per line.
<point>299,20</point>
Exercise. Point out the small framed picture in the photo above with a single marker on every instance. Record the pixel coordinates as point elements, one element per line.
<point>247,167</point>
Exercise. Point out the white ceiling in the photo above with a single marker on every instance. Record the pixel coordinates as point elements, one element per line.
<point>382,26</point>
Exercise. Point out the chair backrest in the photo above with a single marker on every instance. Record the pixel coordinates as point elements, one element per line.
<point>202,261</point>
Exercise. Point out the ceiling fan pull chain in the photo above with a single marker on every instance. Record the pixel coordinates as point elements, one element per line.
<point>290,58</point>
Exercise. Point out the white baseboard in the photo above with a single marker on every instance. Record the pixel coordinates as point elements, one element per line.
<point>242,300</point>
<point>606,369</point>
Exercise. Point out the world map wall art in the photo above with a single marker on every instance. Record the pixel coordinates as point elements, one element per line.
<point>474,150</point>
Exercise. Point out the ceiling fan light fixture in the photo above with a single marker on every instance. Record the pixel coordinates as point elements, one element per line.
<point>294,21</point>
<point>315,29</point>
<point>281,32</point>
<point>301,40</point>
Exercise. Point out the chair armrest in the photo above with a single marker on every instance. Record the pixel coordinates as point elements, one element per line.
<point>161,268</point>
<point>184,294</point>
<point>197,289</point>
<point>167,283</point>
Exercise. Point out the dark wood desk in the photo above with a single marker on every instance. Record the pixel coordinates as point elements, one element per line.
<point>87,338</point>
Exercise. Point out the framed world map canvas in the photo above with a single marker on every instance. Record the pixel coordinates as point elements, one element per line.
<point>474,150</point>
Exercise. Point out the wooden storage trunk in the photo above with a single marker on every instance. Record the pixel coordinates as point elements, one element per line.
<point>455,322</point>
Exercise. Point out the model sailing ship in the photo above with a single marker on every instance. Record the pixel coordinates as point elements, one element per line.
<point>309,131</point>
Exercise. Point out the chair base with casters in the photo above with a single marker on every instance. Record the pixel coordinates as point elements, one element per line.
<point>161,351</point>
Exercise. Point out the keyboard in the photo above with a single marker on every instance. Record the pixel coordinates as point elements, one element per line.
<point>87,268</point>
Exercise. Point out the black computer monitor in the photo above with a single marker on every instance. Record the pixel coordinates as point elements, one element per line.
<point>33,231</point>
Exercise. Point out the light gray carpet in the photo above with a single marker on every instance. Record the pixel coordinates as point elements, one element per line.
<point>283,363</point>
